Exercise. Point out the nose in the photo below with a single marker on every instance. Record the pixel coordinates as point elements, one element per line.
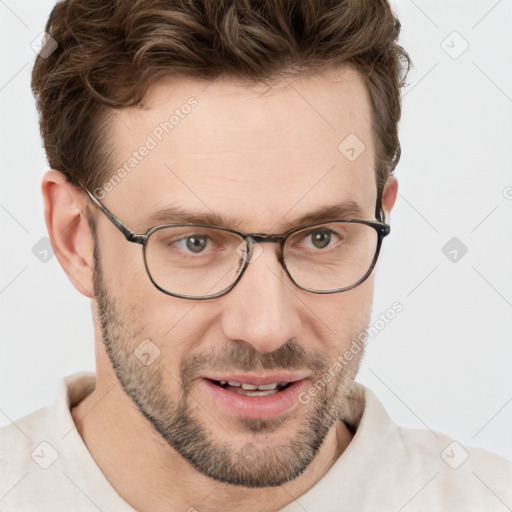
<point>263,309</point>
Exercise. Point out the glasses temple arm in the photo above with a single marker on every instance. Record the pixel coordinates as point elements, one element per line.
<point>128,234</point>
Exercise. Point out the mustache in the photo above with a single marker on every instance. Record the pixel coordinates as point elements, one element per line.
<point>242,357</point>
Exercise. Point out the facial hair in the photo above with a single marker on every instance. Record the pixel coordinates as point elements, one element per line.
<point>257,464</point>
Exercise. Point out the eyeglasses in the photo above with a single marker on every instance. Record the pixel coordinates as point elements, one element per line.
<point>194,261</point>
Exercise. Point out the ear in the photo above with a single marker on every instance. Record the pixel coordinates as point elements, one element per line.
<point>389,196</point>
<point>65,213</point>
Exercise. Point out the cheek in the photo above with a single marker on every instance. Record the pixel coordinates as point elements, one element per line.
<point>179,327</point>
<point>123,266</point>
<point>342,316</point>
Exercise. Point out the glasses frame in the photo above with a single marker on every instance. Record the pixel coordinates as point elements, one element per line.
<point>250,239</point>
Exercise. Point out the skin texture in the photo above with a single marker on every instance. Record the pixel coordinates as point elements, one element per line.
<point>262,158</point>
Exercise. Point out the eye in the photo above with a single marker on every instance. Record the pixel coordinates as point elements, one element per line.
<point>321,238</point>
<point>193,243</point>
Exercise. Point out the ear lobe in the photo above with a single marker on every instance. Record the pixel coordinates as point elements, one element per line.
<point>389,196</point>
<point>65,213</point>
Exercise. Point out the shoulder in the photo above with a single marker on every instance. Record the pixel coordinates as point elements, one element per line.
<point>460,466</point>
<point>22,453</point>
<point>444,472</point>
<point>17,438</point>
<point>42,454</point>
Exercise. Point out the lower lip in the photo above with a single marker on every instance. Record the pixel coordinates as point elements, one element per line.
<point>255,407</point>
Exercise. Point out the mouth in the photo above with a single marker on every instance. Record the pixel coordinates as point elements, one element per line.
<point>255,396</point>
<point>244,388</point>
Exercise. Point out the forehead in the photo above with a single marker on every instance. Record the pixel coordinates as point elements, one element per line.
<point>245,151</point>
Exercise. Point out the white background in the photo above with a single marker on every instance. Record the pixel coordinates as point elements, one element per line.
<point>445,361</point>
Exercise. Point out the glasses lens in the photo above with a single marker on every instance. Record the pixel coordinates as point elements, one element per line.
<point>331,256</point>
<point>194,260</point>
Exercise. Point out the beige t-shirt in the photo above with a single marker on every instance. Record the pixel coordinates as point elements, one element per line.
<point>45,466</point>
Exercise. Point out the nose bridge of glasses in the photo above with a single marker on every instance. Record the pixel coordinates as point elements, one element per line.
<point>252,239</point>
<point>265,237</point>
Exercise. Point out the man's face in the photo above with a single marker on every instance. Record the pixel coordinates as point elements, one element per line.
<point>262,160</point>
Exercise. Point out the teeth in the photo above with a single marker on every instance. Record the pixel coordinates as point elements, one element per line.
<point>256,393</point>
<point>251,387</point>
<point>268,386</point>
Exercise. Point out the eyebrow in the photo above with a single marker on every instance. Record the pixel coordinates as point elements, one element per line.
<point>172,215</point>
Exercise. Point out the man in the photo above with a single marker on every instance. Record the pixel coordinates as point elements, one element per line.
<point>221,186</point>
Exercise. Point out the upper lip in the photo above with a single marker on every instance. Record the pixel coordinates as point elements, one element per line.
<point>258,379</point>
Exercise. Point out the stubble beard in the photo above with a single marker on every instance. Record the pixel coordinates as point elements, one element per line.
<point>262,461</point>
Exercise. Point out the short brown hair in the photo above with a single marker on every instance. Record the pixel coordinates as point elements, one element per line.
<point>111,51</point>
